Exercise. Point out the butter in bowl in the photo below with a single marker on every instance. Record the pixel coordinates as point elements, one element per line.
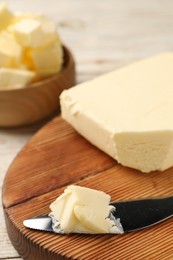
<point>34,68</point>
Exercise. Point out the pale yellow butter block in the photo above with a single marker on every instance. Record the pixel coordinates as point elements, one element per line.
<point>128,113</point>
<point>6,17</point>
<point>84,210</point>
<point>15,78</point>
<point>47,61</point>
<point>10,51</point>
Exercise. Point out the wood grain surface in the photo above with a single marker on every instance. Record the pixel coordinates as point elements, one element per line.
<point>57,156</point>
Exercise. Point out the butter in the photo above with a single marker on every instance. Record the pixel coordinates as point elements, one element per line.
<point>48,29</point>
<point>6,17</point>
<point>83,210</point>
<point>28,42</point>
<point>15,78</point>
<point>27,32</point>
<point>10,51</point>
<point>19,16</point>
<point>127,113</point>
<point>47,61</point>
<point>34,32</point>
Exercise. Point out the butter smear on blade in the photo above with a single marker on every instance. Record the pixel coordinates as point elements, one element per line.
<point>84,210</point>
<point>128,113</point>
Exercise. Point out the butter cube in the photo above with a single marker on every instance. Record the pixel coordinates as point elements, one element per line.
<point>10,51</point>
<point>15,78</point>
<point>49,30</point>
<point>127,113</point>
<point>35,31</point>
<point>47,61</point>
<point>27,32</point>
<point>84,210</point>
<point>19,16</point>
<point>6,17</point>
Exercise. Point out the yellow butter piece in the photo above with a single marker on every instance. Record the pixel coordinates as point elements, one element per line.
<point>6,17</point>
<point>27,59</point>
<point>48,29</point>
<point>47,61</point>
<point>95,223</point>
<point>10,51</point>
<point>84,210</point>
<point>15,78</point>
<point>27,32</point>
<point>36,31</point>
<point>19,16</point>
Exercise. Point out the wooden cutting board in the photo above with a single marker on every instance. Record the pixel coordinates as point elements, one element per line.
<point>57,156</point>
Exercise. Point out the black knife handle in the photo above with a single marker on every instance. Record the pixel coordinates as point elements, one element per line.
<point>139,214</point>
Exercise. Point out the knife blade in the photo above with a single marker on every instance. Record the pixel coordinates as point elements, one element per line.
<point>133,214</point>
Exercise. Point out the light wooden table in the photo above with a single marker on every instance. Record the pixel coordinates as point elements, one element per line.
<point>103,35</point>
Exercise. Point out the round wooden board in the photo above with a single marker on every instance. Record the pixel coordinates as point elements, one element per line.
<point>57,156</point>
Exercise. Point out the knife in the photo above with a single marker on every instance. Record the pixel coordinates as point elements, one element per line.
<point>133,214</point>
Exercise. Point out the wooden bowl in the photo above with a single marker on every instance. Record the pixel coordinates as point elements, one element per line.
<point>25,106</point>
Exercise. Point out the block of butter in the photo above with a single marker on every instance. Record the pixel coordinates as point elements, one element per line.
<point>128,113</point>
<point>84,210</point>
